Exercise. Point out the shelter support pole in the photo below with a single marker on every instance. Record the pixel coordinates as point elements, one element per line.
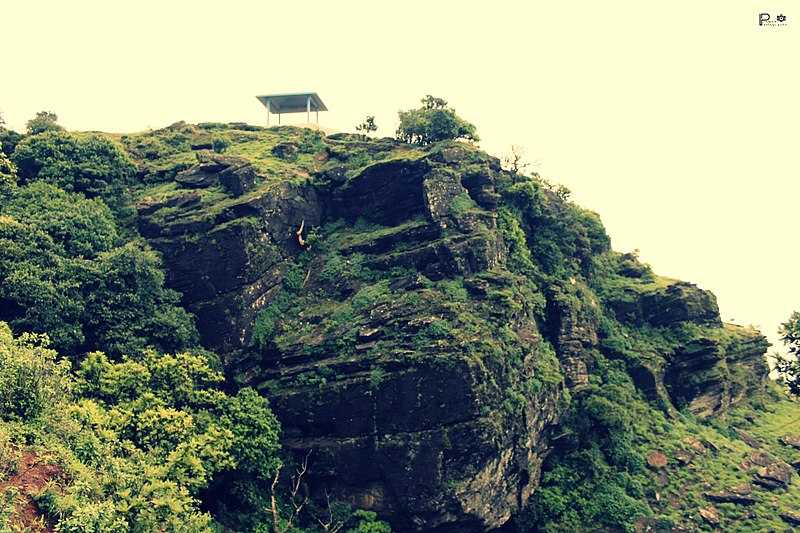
<point>308,109</point>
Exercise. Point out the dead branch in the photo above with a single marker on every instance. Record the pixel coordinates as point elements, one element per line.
<point>297,504</point>
<point>300,240</point>
<point>329,525</point>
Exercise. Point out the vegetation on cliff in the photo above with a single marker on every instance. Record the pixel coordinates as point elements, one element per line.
<point>402,326</point>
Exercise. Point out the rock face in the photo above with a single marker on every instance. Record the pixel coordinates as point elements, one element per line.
<point>226,260</point>
<point>431,444</point>
<point>680,302</point>
<point>435,411</point>
<point>710,373</point>
<point>664,306</point>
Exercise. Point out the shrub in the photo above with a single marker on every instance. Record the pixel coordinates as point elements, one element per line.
<point>368,126</point>
<point>32,381</point>
<point>220,144</point>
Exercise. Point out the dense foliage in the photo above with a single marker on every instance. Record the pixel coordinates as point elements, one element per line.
<point>789,367</point>
<point>135,441</point>
<point>89,164</point>
<point>65,272</point>
<point>42,122</point>
<point>433,122</point>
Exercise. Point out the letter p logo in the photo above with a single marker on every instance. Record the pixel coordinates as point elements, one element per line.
<point>762,18</point>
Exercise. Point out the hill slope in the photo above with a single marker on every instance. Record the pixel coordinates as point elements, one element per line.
<point>449,326</point>
<point>449,344</point>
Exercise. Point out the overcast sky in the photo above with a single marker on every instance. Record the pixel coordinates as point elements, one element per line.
<point>676,121</point>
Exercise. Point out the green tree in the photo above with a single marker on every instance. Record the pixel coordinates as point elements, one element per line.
<point>368,126</point>
<point>8,178</point>
<point>789,367</point>
<point>61,273</point>
<point>82,227</point>
<point>9,140</point>
<point>433,122</point>
<point>90,164</point>
<point>42,122</point>
<point>127,307</point>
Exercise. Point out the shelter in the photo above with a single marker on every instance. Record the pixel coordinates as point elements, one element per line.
<point>292,103</point>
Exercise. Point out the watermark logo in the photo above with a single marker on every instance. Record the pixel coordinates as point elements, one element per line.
<point>768,19</point>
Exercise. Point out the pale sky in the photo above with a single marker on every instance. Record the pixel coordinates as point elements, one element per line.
<point>676,121</point>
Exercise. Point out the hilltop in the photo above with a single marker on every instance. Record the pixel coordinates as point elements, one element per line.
<point>451,344</point>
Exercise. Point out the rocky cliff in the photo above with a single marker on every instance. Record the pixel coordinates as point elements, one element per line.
<point>421,318</point>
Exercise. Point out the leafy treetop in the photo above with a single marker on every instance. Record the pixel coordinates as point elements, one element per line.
<point>789,367</point>
<point>433,122</point>
<point>42,122</point>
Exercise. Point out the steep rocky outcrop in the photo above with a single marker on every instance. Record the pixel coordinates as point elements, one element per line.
<point>710,373</point>
<point>424,375</point>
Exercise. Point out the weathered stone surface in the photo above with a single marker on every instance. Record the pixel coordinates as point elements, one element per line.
<point>791,440</point>
<point>677,302</point>
<point>777,475</point>
<point>227,262</point>
<point>739,495</point>
<point>286,150</point>
<point>386,193</point>
<point>710,515</point>
<point>681,302</point>
<point>427,443</point>
<point>710,374</point>
<point>656,459</point>
<point>198,177</point>
<point>747,438</point>
<point>790,517</point>
<point>417,429</point>
<point>574,326</point>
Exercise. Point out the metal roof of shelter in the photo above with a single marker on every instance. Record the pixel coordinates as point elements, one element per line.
<point>292,102</point>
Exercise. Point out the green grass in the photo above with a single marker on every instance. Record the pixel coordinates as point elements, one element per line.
<point>682,495</point>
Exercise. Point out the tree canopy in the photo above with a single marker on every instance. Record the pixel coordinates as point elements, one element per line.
<point>42,122</point>
<point>789,367</point>
<point>64,272</point>
<point>433,122</point>
<point>89,164</point>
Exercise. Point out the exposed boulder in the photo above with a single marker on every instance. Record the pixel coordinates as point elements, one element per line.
<point>235,174</point>
<point>681,302</point>
<point>741,495</point>
<point>710,515</point>
<point>790,517</point>
<point>656,459</point>
<point>791,440</point>
<point>710,373</point>
<point>777,475</point>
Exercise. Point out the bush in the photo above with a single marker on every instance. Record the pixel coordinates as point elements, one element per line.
<point>433,122</point>
<point>32,381</point>
<point>8,178</point>
<point>220,144</point>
